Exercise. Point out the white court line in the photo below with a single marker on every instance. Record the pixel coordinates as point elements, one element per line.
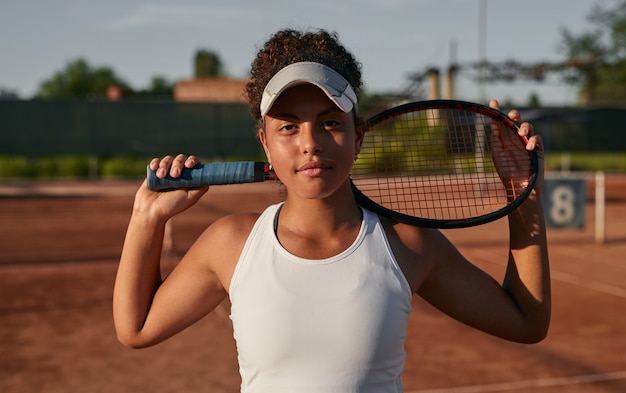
<point>594,285</point>
<point>529,384</point>
<point>563,277</point>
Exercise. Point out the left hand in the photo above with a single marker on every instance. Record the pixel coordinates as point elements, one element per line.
<point>503,150</point>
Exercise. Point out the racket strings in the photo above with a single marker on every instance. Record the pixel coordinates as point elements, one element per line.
<point>438,164</point>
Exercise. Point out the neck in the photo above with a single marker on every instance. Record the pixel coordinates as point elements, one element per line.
<point>328,215</point>
<point>318,229</point>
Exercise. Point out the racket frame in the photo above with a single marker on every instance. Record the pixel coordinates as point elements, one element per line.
<point>494,114</point>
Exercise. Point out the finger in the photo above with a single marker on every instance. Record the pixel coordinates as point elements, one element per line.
<point>515,116</point>
<point>535,142</point>
<point>525,130</point>
<point>163,166</point>
<point>191,161</point>
<point>177,165</point>
<point>154,164</point>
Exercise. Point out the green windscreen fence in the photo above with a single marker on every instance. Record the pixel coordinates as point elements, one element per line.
<point>154,128</point>
<point>599,129</point>
<point>132,128</point>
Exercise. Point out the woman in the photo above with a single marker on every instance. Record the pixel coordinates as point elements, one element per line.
<point>320,288</point>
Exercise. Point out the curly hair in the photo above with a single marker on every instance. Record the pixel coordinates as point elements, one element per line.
<point>291,46</point>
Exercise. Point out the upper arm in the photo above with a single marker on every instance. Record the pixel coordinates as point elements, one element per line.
<point>199,282</point>
<point>468,294</point>
<point>442,276</point>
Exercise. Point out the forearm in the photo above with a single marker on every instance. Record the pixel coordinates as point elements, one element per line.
<point>527,279</point>
<point>138,275</point>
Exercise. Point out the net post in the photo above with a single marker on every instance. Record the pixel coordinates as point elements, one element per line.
<point>600,208</point>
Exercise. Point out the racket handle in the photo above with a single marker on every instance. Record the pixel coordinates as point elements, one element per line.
<point>203,175</point>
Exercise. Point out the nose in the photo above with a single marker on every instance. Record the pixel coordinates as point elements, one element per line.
<point>310,139</point>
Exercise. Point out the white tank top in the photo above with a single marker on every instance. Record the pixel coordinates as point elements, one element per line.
<point>331,325</point>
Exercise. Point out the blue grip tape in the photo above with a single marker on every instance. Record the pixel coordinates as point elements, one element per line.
<point>203,175</point>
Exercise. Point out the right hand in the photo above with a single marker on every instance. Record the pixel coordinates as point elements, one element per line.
<point>164,205</point>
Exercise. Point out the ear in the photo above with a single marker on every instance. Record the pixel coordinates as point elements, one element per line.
<point>263,139</point>
<point>359,134</point>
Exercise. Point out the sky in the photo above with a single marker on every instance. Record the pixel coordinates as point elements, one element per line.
<point>141,39</point>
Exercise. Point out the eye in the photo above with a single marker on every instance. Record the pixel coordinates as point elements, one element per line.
<point>287,127</point>
<point>330,125</point>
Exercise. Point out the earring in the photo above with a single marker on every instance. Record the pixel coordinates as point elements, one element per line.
<point>271,167</point>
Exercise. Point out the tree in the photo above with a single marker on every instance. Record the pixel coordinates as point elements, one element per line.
<point>80,80</point>
<point>207,64</point>
<point>159,86</point>
<point>599,55</point>
<point>533,100</point>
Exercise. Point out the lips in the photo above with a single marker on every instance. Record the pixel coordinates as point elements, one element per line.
<point>313,168</point>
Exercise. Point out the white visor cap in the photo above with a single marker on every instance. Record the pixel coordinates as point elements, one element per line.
<point>336,87</point>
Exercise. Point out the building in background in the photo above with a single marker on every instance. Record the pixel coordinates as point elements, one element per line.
<point>218,89</point>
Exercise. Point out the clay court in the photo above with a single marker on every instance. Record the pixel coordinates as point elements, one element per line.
<point>59,244</point>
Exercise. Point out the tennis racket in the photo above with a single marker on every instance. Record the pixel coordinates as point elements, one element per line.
<point>437,164</point>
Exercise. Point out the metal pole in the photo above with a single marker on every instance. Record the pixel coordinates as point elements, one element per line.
<point>600,208</point>
<point>482,48</point>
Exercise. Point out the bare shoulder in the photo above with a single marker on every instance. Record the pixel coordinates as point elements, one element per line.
<point>221,244</point>
<point>412,238</point>
<point>417,250</point>
<point>232,228</point>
